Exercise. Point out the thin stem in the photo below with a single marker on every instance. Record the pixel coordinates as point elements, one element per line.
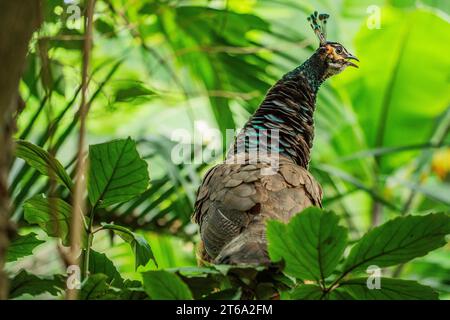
<point>336,282</point>
<point>80,182</point>
<point>90,234</point>
<point>97,230</point>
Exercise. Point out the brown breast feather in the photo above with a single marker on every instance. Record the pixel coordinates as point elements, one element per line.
<point>235,200</point>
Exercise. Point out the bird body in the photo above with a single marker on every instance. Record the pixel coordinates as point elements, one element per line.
<point>265,174</point>
<point>235,200</point>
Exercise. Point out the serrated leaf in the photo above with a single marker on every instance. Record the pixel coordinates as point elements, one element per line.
<point>43,162</point>
<point>163,285</point>
<point>390,289</point>
<point>38,211</point>
<point>141,248</point>
<point>117,173</point>
<point>26,283</point>
<point>311,244</point>
<point>398,241</point>
<point>99,263</point>
<point>22,246</point>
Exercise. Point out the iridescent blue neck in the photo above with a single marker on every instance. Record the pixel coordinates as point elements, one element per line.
<point>313,70</point>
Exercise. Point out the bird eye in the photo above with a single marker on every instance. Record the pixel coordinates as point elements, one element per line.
<point>338,50</point>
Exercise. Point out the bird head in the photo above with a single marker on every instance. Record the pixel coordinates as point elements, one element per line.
<point>334,54</point>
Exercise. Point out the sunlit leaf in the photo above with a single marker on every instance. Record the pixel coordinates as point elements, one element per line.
<point>142,251</point>
<point>43,161</point>
<point>51,214</point>
<point>398,93</point>
<point>117,173</point>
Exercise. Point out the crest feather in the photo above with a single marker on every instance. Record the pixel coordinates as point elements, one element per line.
<point>318,24</point>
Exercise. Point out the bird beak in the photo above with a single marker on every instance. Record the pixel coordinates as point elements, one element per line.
<point>351,57</point>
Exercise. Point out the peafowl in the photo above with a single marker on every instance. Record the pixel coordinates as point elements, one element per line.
<point>239,195</point>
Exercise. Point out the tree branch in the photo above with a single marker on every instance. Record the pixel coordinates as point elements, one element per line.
<point>18,20</point>
<point>78,204</point>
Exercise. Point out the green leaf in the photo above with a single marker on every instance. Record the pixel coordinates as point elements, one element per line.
<point>98,287</point>
<point>22,246</point>
<point>306,292</point>
<point>141,248</point>
<point>163,285</point>
<point>202,281</point>
<point>400,102</point>
<point>338,295</point>
<point>117,173</point>
<point>94,287</point>
<point>314,292</point>
<point>132,290</point>
<point>390,289</point>
<point>26,283</point>
<point>398,241</point>
<point>311,244</point>
<point>38,211</point>
<point>99,263</point>
<point>142,251</point>
<point>105,28</point>
<point>43,161</point>
<point>131,91</point>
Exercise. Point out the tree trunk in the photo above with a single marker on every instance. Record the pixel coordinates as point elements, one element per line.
<point>18,21</point>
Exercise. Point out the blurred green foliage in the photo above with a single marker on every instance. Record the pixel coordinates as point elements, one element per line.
<point>381,150</point>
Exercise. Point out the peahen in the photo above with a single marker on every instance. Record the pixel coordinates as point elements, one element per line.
<point>238,196</point>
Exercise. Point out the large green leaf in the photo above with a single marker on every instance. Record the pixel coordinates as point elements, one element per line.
<point>398,241</point>
<point>399,92</point>
<point>311,244</point>
<point>99,263</point>
<point>26,283</point>
<point>22,246</point>
<point>142,251</point>
<point>306,292</point>
<point>43,161</point>
<point>51,214</point>
<point>390,289</point>
<point>117,173</point>
<point>163,285</point>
